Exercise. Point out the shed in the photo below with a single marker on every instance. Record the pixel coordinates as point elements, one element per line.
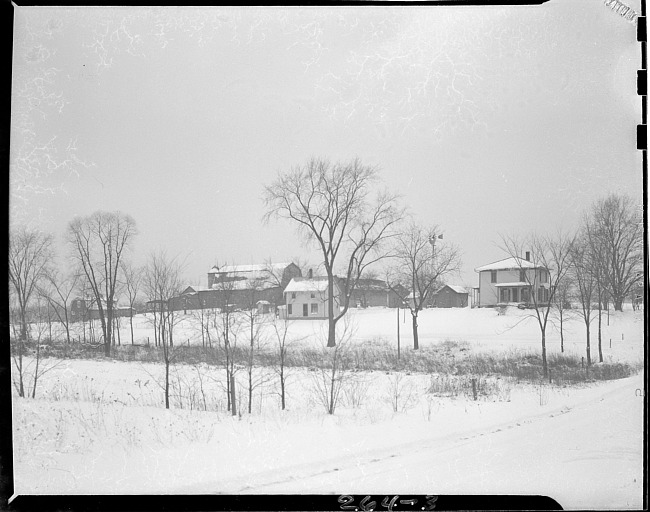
<point>451,296</point>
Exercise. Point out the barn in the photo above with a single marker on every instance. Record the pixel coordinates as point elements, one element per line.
<point>370,293</point>
<point>239,287</point>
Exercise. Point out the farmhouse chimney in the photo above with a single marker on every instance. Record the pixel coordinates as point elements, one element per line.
<point>527,255</point>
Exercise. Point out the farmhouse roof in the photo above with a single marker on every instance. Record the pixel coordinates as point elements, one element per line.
<point>508,264</point>
<point>305,284</point>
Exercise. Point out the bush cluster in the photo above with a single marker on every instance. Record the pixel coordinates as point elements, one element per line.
<point>447,358</point>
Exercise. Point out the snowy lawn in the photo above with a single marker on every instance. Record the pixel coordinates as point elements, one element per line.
<point>99,426</point>
<point>484,328</point>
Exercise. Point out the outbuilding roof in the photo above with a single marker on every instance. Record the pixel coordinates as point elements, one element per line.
<point>190,289</point>
<point>456,288</point>
<point>236,269</point>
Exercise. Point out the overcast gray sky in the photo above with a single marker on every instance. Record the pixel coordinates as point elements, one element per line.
<point>487,120</point>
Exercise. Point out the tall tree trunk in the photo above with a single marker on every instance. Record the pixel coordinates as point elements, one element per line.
<point>561,332</point>
<point>250,366</point>
<point>618,304</point>
<point>332,384</point>
<point>155,329</point>
<point>67,327</point>
<point>38,360</point>
<point>131,324</point>
<point>106,329</point>
<point>600,332</point>
<point>414,318</point>
<point>23,324</point>
<point>250,390</point>
<point>331,334</point>
<point>282,387</point>
<point>588,344</point>
<point>166,378</point>
<point>228,377</point>
<point>21,391</point>
<point>49,322</point>
<point>202,329</point>
<point>544,362</point>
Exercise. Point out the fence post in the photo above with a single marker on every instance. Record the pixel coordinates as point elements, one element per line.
<point>550,380</point>
<point>474,388</point>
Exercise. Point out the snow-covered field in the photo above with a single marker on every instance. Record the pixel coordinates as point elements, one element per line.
<point>100,426</point>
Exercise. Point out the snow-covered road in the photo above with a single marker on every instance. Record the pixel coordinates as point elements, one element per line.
<point>587,456</point>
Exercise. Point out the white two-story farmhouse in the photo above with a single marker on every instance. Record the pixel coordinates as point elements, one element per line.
<point>512,281</point>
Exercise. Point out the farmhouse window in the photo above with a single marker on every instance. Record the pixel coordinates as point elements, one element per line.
<point>493,276</point>
<point>543,276</point>
<point>290,309</point>
<point>314,309</point>
<point>522,276</point>
<point>293,295</point>
<point>313,295</point>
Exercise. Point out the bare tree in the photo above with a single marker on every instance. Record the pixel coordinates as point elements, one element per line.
<point>33,369</point>
<point>202,316</point>
<point>562,303</point>
<point>280,327</point>
<point>57,291</point>
<point>132,282</point>
<point>618,231</point>
<point>98,242</point>
<point>161,283</point>
<point>254,321</point>
<point>595,255</point>
<point>420,262</point>
<point>550,255</point>
<point>30,255</point>
<point>582,271</point>
<point>328,380</point>
<point>226,326</point>
<point>83,309</point>
<point>331,206</point>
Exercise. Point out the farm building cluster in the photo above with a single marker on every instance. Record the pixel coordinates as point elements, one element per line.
<point>281,289</point>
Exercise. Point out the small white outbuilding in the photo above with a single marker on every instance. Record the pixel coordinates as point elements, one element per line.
<point>307,298</point>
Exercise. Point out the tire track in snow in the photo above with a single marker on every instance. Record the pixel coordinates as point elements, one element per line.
<point>260,482</point>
